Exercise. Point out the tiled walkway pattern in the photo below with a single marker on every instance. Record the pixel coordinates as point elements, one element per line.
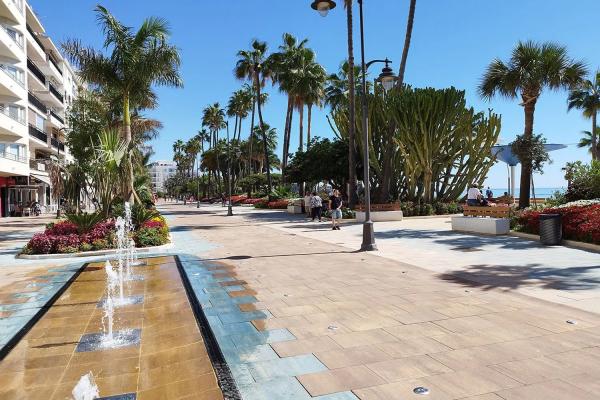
<point>170,362</point>
<point>381,327</point>
<point>21,300</point>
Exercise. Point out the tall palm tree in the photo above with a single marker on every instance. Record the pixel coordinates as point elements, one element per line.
<point>213,118</point>
<point>315,94</point>
<point>531,68</point>
<point>587,141</point>
<point>352,194</point>
<point>136,61</point>
<point>253,65</point>
<point>586,97</point>
<point>285,65</point>
<point>407,38</point>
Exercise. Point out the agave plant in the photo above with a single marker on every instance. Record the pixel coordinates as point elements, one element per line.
<point>85,222</point>
<point>140,215</point>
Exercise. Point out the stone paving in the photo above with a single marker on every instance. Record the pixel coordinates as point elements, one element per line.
<point>382,327</point>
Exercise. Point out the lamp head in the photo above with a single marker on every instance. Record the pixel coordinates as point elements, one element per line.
<point>323,6</point>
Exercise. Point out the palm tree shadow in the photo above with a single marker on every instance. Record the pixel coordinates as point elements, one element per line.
<point>507,277</point>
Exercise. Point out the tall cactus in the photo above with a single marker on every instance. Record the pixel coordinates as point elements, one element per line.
<point>437,146</point>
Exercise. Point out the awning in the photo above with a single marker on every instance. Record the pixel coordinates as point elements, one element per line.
<point>42,178</point>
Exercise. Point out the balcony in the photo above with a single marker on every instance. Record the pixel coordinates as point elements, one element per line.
<point>13,157</point>
<point>37,103</point>
<point>55,64</point>
<point>15,73</point>
<point>38,134</point>
<point>35,48</point>
<point>36,71</point>
<point>56,93</point>
<point>37,165</point>
<point>11,85</point>
<point>57,144</point>
<point>11,44</point>
<point>57,117</point>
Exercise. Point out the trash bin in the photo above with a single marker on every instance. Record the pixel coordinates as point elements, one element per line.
<point>550,229</point>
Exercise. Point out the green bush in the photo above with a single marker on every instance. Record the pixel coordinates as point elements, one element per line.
<point>101,244</point>
<point>67,249</point>
<point>147,237</point>
<point>86,247</point>
<point>584,181</point>
<point>558,198</point>
<point>85,222</point>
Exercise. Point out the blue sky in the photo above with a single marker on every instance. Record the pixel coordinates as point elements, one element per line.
<point>452,44</point>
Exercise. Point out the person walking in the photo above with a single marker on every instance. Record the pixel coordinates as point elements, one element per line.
<point>316,205</point>
<point>307,208</point>
<point>335,205</point>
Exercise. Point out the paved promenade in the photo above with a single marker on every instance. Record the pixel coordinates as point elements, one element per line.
<point>383,324</point>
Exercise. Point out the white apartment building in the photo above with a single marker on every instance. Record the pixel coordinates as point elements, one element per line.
<point>36,86</point>
<point>160,171</point>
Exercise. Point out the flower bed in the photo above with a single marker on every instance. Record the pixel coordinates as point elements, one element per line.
<point>238,199</point>
<point>65,237</point>
<point>252,201</point>
<point>278,204</point>
<point>580,221</point>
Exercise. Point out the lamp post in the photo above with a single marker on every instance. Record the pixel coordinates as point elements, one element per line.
<point>229,208</point>
<point>198,188</point>
<point>387,79</point>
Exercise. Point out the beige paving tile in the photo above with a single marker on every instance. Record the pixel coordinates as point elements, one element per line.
<point>587,382</point>
<point>408,368</point>
<point>399,391</point>
<point>423,329</point>
<point>412,347</point>
<point>470,382</point>
<point>549,390</point>
<point>305,346</point>
<point>355,339</point>
<point>534,370</point>
<point>339,380</point>
<point>352,356</point>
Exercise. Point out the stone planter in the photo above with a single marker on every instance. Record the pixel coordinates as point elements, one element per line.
<point>294,209</point>
<point>380,216</point>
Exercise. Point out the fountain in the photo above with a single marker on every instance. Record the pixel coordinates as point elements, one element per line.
<point>86,388</point>
<point>109,310</point>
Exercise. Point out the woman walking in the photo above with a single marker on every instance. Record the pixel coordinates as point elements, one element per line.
<point>316,206</point>
<point>335,205</point>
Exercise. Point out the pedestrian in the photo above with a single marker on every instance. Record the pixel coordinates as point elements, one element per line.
<point>316,205</point>
<point>335,205</point>
<point>474,196</point>
<point>489,194</point>
<point>307,199</point>
<point>223,199</point>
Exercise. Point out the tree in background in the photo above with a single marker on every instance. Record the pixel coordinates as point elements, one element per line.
<point>587,142</point>
<point>531,68</point>
<point>586,97</point>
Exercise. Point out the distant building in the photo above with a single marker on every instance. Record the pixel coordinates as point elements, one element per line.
<point>37,85</point>
<point>160,171</point>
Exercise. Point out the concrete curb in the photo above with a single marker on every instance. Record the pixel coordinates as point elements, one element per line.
<point>139,250</point>
<point>594,248</point>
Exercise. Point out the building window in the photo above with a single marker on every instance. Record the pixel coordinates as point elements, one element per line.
<point>39,122</point>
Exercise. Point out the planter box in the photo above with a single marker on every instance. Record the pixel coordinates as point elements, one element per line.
<point>294,209</point>
<point>486,225</point>
<point>380,216</point>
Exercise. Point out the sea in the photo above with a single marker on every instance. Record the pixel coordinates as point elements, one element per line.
<point>539,192</point>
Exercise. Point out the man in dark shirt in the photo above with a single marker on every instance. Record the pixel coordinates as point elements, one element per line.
<point>335,205</point>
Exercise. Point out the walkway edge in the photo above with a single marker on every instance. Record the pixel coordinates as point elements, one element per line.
<point>594,248</point>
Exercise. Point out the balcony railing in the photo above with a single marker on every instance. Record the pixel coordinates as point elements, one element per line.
<point>57,144</point>
<point>15,112</point>
<point>15,35</point>
<point>56,93</point>
<point>37,102</point>
<point>13,157</point>
<point>58,117</point>
<point>55,63</point>
<point>37,40</point>
<point>36,133</point>
<point>19,5</point>
<point>12,72</point>
<point>36,71</point>
<point>38,165</point>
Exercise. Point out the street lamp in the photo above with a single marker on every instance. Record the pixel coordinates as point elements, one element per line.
<point>387,78</point>
<point>229,208</point>
<point>323,6</point>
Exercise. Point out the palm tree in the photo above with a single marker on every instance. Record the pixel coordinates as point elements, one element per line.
<point>407,38</point>
<point>285,64</point>
<point>253,65</point>
<point>352,194</point>
<point>531,68</point>
<point>586,97</point>
<point>587,141</point>
<point>213,118</point>
<point>137,60</point>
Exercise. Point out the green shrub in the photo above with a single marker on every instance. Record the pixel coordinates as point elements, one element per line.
<point>147,237</point>
<point>86,247</point>
<point>101,244</point>
<point>585,181</point>
<point>140,214</point>
<point>67,249</point>
<point>558,198</point>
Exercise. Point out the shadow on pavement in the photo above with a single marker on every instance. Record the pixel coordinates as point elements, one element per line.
<point>488,277</point>
<point>246,257</point>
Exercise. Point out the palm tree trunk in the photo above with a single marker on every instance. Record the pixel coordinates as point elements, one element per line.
<point>235,127</point>
<point>308,130</point>
<point>128,173</point>
<point>239,135</point>
<point>595,154</point>
<point>301,131</point>
<point>525,184</point>
<point>352,196</point>
<point>286,138</point>
<point>409,28</point>
<point>264,134</point>
<point>251,136</point>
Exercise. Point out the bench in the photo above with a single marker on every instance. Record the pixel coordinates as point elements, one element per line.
<point>486,220</point>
